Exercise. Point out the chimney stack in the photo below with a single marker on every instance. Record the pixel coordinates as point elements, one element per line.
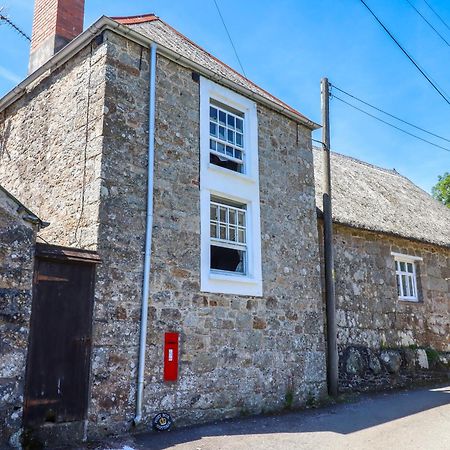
<point>55,24</point>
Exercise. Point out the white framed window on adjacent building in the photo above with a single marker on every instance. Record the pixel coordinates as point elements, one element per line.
<point>229,192</point>
<point>406,276</point>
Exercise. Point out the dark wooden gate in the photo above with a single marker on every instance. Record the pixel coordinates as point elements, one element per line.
<point>58,366</point>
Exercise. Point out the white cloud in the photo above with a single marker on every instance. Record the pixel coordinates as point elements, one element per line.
<point>8,75</point>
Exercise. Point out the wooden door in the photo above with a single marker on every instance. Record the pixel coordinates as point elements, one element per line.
<point>57,379</point>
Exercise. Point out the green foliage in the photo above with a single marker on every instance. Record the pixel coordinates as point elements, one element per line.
<point>288,399</point>
<point>311,401</point>
<point>432,356</point>
<point>441,190</point>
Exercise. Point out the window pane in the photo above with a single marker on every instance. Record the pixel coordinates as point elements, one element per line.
<point>399,289</point>
<point>232,236</point>
<point>213,212</point>
<point>402,266</point>
<point>220,147</point>
<point>241,235</point>
<point>212,144</point>
<point>213,113</point>
<point>222,118</point>
<point>228,259</point>
<point>239,125</point>
<point>239,139</point>
<point>241,218</point>
<point>213,230</point>
<point>223,214</point>
<point>222,133</point>
<point>397,266</point>
<point>231,136</point>
<point>230,151</point>
<point>405,286</point>
<point>212,129</point>
<point>411,287</point>
<point>238,154</point>
<point>233,216</point>
<point>410,268</point>
<point>223,232</point>
<point>231,121</point>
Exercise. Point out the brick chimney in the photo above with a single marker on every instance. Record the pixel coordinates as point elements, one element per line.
<point>55,24</point>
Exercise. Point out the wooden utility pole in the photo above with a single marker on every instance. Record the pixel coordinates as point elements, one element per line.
<point>332,352</point>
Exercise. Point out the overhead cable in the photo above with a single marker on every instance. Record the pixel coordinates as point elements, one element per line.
<point>13,25</point>
<point>436,14</point>
<point>229,37</point>
<point>432,83</point>
<point>390,124</point>
<point>428,23</point>
<point>389,114</point>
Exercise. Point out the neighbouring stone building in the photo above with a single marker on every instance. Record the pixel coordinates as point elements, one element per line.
<point>392,266</point>
<point>235,249</point>
<point>18,228</point>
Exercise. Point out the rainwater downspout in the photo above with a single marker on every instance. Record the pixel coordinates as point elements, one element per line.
<point>148,236</point>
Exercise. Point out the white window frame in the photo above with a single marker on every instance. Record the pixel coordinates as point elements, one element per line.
<point>219,182</point>
<point>407,259</point>
<point>219,141</point>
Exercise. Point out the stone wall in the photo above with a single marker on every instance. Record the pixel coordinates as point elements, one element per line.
<point>51,144</point>
<point>121,238</point>
<point>364,369</point>
<point>369,313</point>
<point>50,157</point>
<point>17,239</point>
<point>74,147</point>
<point>368,309</point>
<point>238,355</point>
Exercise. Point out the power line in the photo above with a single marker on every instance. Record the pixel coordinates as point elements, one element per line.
<point>427,22</point>
<point>436,88</point>
<point>389,114</point>
<point>436,14</point>
<point>229,37</point>
<point>390,124</point>
<point>13,25</point>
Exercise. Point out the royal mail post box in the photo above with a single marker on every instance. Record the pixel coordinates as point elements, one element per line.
<point>171,356</point>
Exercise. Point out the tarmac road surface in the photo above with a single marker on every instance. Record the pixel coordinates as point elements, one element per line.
<point>416,419</point>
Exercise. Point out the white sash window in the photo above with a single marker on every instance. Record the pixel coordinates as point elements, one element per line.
<point>229,192</point>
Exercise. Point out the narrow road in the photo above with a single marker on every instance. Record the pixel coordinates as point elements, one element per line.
<point>417,419</point>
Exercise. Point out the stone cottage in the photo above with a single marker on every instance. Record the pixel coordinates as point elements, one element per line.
<point>392,266</point>
<point>189,192</point>
<point>18,228</point>
<point>228,197</point>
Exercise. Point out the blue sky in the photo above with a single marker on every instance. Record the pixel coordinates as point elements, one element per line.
<point>288,45</point>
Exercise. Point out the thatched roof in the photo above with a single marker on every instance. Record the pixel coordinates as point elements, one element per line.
<point>370,197</point>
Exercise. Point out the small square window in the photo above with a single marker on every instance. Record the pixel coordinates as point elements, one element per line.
<point>405,272</point>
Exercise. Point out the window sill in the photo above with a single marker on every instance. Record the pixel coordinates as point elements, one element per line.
<point>231,173</point>
<point>219,283</point>
<point>231,278</point>
<point>409,299</point>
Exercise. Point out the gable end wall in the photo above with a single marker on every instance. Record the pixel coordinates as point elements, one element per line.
<point>237,354</point>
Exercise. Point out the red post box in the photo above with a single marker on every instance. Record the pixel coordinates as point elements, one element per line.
<point>171,356</point>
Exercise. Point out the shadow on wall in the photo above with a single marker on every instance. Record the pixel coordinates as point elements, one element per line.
<point>342,419</point>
